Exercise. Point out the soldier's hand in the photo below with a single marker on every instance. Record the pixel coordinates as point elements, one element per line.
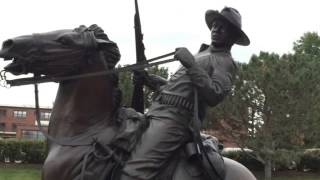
<point>185,57</point>
<point>139,76</point>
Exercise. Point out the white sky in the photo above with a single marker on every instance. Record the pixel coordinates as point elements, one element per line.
<point>272,25</point>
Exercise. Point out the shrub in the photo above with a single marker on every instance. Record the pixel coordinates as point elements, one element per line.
<point>286,159</point>
<point>27,151</point>
<point>283,159</point>
<point>310,160</point>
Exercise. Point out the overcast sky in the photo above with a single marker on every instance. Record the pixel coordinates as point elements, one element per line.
<point>272,25</point>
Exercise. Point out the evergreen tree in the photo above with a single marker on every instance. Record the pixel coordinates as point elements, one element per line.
<point>274,103</point>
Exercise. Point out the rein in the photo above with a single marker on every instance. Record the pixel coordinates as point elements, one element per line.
<point>45,79</point>
<point>195,127</point>
<point>42,79</point>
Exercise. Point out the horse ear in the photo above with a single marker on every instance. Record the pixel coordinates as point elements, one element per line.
<point>104,43</point>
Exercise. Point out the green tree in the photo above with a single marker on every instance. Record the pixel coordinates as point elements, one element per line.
<point>308,44</point>
<point>274,103</point>
<point>307,50</point>
<point>126,86</point>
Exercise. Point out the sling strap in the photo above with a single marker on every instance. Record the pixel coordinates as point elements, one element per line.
<point>200,150</point>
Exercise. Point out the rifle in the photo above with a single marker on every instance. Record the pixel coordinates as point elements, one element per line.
<point>137,95</point>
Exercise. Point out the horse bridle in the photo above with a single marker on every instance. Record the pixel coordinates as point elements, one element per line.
<point>90,44</point>
<point>133,67</point>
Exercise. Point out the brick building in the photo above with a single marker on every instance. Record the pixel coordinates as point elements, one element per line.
<point>20,122</point>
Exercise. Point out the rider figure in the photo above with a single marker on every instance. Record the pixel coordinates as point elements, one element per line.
<point>210,71</point>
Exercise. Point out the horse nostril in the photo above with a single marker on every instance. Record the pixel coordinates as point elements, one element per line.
<point>7,44</point>
<point>15,69</point>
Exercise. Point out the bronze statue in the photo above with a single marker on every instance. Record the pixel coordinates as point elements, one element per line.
<point>92,137</point>
<point>209,73</point>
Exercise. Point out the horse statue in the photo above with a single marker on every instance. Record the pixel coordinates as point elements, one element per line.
<point>90,134</point>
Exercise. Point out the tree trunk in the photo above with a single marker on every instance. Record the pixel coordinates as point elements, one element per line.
<point>267,169</point>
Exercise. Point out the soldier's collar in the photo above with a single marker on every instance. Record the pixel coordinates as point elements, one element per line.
<point>214,49</point>
<point>204,47</point>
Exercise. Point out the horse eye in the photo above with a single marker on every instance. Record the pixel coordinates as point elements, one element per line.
<point>63,40</point>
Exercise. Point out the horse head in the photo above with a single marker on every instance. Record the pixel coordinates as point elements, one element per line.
<point>60,52</point>
<point>80,103</point>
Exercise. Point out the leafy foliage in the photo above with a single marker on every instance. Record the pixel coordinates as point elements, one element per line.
<point>311,160</point>
<point>308,44</point>
<point>274,104</point>
<point>27,151</point>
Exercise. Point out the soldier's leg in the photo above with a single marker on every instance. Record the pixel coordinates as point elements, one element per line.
<point>162,138</point>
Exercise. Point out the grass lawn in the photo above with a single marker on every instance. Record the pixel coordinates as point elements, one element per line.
<point>20,172</point>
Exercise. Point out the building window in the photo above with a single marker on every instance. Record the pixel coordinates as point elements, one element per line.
<point>3,113</point>
<point>32,135</point>
<point>2,127</point>
<point>14,127</point>
<point>19,114</point>
<point>45,116</point>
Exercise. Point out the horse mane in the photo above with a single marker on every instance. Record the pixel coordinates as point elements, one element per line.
<point>111,53</point>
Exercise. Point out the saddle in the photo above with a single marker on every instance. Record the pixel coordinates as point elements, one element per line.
<point>111,147</point>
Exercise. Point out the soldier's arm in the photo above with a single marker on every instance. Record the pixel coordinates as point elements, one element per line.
<point>212,88</point>
<point>154,82</point>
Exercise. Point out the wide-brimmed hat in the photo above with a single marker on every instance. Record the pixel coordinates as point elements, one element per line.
<point>231,15</point>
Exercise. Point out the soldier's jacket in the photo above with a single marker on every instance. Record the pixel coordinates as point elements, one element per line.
<point>212,76</point>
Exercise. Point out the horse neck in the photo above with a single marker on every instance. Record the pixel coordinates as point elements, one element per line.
<point>81,104</point>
